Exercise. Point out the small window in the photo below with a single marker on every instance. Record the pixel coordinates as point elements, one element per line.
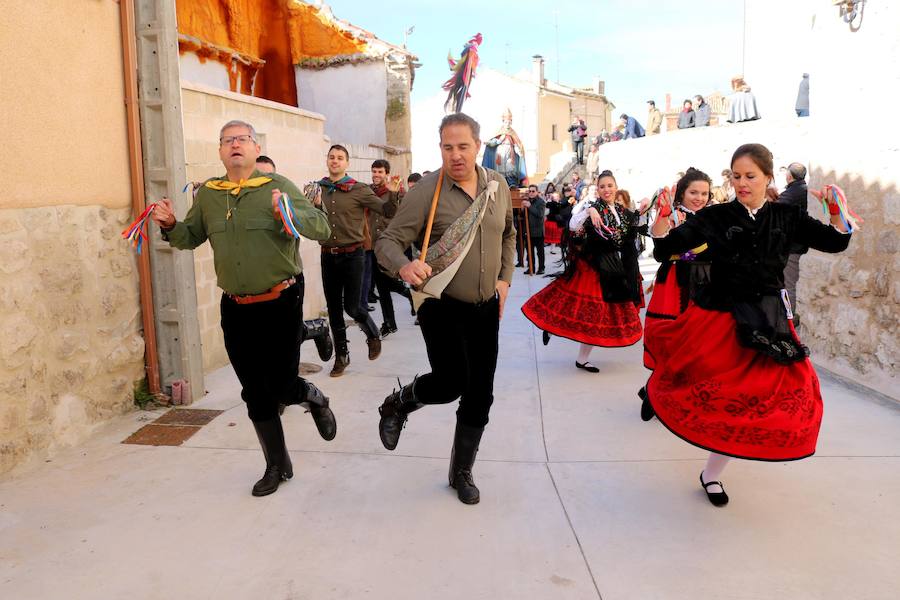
<point>553,132</point>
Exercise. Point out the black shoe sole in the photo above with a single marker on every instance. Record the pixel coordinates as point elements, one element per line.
<point>647,412</point>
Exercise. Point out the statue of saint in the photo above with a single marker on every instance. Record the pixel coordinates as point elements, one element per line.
<point>505,154</point>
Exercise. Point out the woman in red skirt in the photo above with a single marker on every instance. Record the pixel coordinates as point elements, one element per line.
<point>731,375</point>
<point>681,273</point>
<point>552,230</point>
<point>595,301</point>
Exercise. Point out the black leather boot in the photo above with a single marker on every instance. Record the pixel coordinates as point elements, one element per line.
<point>278,463</point>
<point>394,412</point>
<point>462,459</point>
<point>317,405</point>
<point>317,331</point>
<point>341,358</point>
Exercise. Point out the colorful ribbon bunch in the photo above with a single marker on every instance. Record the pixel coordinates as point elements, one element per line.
<point>287,215</point>
<point>135,232</point>
<point>849,218</point>
<point>660,198</point>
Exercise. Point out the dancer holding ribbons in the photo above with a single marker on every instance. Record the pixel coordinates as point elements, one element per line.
<point>252,221</point>
<point>730,373</point>
<point>461,218</point>
<point>680,274</point>
<point>596,300</point>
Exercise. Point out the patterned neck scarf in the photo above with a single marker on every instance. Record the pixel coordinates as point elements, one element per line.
<point>382,189</point>
<point>344,184</point>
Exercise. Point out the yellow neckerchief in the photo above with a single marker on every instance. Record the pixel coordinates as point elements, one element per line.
<point>235,188</point>
<point>694,251</point>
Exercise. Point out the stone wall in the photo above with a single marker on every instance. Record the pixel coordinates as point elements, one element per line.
<point>70,323</point>
<point>294,139</point>
<point>70,320</point>
<point>853,298</point>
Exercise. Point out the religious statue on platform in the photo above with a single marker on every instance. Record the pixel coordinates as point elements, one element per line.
<point>505,154</point>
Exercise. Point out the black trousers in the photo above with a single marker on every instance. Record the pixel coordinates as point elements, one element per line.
<point>385,284</point>
<point>537,244</point>
<point>461,340</point>
<point>263,344</point>
<point>579,151</point>
<point>366,290</point>
<point>342,278</point>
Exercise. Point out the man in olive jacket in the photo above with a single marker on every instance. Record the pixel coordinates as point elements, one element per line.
<point>258,268</point>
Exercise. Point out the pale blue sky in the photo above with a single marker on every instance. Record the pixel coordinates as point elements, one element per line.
<point>641,48</point>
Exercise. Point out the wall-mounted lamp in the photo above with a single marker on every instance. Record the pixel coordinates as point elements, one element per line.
<point>850,9</point>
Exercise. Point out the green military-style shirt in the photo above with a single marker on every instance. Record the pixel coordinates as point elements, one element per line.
<point>251,250</point>
<point>346,212</point>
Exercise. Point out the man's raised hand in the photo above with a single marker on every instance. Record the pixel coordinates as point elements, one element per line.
<point>164,214</point>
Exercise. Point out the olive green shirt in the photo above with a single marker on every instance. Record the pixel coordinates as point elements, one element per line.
<point>346,213</point>
<point>378,222</point>
<point>251,250</point>
<point>490,259</point>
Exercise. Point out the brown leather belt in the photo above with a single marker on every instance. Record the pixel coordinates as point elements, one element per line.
<point>273,293</point>
<point>341,249</point>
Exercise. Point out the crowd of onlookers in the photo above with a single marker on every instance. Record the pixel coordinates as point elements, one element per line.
<point>695,112</point>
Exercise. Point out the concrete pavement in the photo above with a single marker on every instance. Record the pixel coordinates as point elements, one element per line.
<point>580,498</point>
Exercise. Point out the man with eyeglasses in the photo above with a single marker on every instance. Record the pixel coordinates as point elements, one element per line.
<point>258,268</point>
<point>344,202</point>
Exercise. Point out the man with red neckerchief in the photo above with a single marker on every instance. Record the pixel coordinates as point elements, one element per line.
<point>344,202</point>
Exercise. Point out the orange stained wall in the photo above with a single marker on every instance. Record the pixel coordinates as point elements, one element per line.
<point>280,32</point>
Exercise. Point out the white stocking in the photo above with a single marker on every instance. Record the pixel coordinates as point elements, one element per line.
<point>584,351</point>
<point>715,464</point>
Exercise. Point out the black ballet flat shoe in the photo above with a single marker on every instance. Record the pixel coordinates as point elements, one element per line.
<point>716,498</point>
<point>587,366</point>
<point>647,411</point>
<point>545,337</point>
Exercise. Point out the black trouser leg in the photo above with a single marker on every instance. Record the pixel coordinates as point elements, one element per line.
<point>385,285</point>
<point>462,341</point>
<point>366,289</point>
<point>332,282</point>
<point>537,246</point>
<point>263,344</point>
<point>343,288</point>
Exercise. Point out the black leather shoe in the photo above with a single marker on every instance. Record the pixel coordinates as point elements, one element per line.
<point>518,264</point>
<point>466,440</point>
<point>587,366</point>
<point>317,331</point>
<point>317,406</point>
<point>370,308</point>
<point>387,329</point>
<point>394,411</point>
<point>647,411</point>
<point>545,337</point>
<point>374,345</point>
<point>278,463</point>
<point>716,498</point>
<point>540,271</point>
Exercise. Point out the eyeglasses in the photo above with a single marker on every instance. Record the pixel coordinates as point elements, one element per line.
<point>240,139</point>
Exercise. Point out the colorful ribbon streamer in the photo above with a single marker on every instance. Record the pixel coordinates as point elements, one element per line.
<point>134,233</point>
<point>850,219</point>
<point>286,212</point>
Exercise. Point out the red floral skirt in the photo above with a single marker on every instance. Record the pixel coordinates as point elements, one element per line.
<point>665,305</point>
<point>552,232</point>
<point>718,395</point>
<point>573,308</point>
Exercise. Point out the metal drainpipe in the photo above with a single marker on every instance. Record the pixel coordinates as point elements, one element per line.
<point>138,202</point>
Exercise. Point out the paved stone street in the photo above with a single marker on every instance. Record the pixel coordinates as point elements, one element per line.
<point>580,498</point>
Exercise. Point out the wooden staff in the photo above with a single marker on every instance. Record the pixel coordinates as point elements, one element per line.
<point>431,213</point>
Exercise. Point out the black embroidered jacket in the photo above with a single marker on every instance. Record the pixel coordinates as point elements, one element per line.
<point>748,255</point>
